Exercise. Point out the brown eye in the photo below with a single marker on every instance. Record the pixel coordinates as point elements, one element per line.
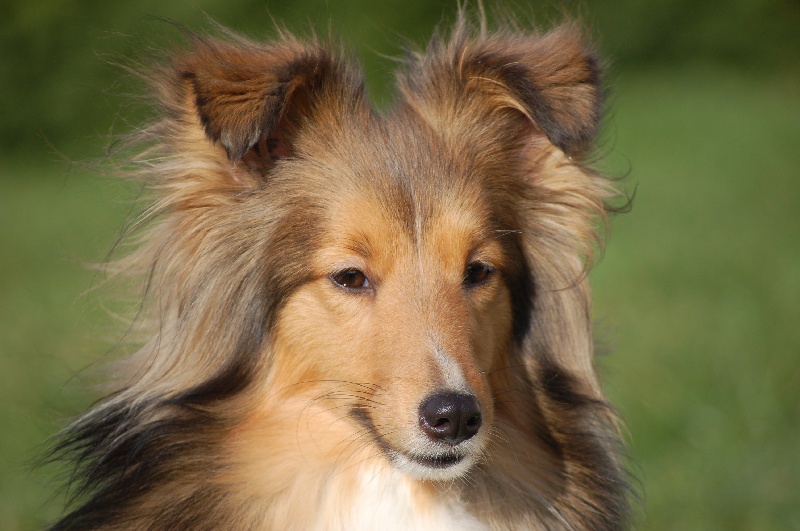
<point>351,280</point>
<point>477,273</point>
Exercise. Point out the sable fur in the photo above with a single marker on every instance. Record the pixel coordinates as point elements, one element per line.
<point>265,396</point>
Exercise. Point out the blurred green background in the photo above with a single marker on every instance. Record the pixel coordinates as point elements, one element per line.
<point>698,296</point>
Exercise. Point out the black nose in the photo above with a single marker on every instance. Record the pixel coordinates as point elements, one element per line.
<point>450,417</point>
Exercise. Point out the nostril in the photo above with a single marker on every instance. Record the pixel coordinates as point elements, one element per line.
<point>442,423</point>
<point>450,417</point>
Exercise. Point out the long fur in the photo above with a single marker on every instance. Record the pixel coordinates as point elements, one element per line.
<point>270,393</point>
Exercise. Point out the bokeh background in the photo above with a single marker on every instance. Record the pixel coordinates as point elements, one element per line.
<point>697,298</point>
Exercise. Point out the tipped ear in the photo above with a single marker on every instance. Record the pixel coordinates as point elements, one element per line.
<point>553,80</point>
<point>253,98</point>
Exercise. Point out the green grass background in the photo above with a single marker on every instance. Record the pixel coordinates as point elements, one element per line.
<point>698,295</point>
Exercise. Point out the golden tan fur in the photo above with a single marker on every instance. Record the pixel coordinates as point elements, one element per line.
<point>273,395</point>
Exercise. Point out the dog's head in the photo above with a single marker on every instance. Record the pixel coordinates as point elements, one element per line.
<point>419,271</point>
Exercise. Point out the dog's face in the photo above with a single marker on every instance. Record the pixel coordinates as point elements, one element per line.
<point>407,308</point>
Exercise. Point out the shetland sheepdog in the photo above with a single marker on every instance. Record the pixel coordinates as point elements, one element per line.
<point>359,319</point>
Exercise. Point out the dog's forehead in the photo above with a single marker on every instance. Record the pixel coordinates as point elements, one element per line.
<point>409,170</point>
<point>399,154</point>
<point>410,199</point>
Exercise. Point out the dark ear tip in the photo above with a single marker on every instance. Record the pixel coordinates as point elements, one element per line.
<point>575,142</point>
<point>236,146</point>
<point>235,154</point>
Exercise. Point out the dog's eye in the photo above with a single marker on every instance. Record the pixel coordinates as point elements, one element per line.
<point>351,280</point>
<point>477,273</point>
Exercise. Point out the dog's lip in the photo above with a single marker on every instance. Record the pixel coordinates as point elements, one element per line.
<point>436,461</point>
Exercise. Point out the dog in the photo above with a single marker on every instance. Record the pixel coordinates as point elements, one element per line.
<point>357,319</point>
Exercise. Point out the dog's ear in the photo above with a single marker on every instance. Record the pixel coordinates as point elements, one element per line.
<point>552,80</point>
<point>252,99</point>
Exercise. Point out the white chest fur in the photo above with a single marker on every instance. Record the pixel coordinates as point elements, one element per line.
<point>385,499</point>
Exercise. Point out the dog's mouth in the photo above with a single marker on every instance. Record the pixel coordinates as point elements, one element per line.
<point>433,467</point>
<point>436,461</point>
<point>444,465</point>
